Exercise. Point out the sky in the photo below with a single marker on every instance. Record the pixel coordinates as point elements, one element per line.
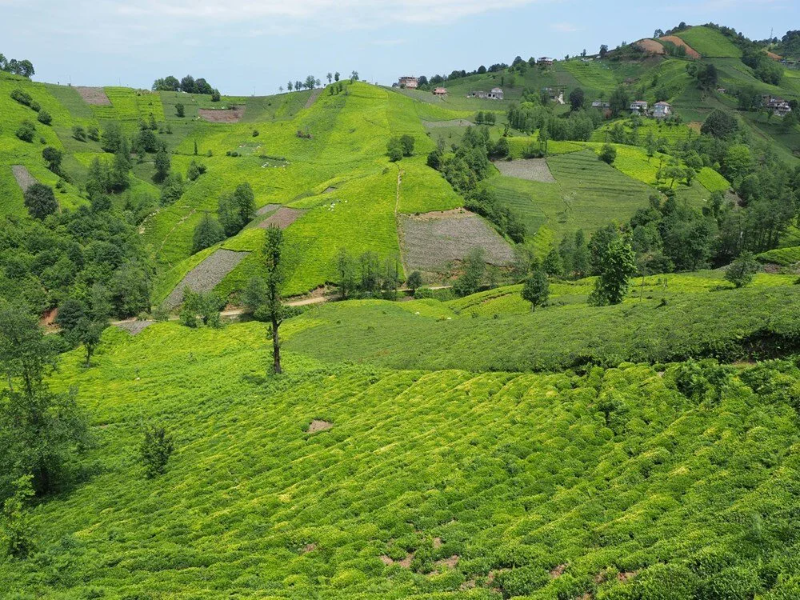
<point>248,47</point>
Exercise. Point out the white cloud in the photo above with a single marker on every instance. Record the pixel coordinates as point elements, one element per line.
<point>564,27</point>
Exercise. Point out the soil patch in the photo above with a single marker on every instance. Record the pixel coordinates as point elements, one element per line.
<point>532,169</point>
<point>450,562</point>
<point>283,217</point>
<point>450,123</point>
<point>93,95</point>
<point>313,97</point>
<point>650,46</point>
<point>267,208</point>
<point>690,52</point>
<point>23,177</point>
<point>318,425</point>
<point>558,571</point>
<point>437,543</point>
<point>309,548</point>
<point>432,240</point>
<point>221,115</point>
<point>134,327</point>
<point>774,56</point>
<point>626,575</point>
<point>205,276</point>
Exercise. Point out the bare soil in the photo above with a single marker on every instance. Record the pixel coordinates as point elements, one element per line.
<point>450,562</point>
<point>23,177</point>
<point>313,97</point>
<point>267,208</point>
<point>93,95</point>
<point>558,571</point>
<point>532,169</point>
<point>329,190</point>
<point>650,46</point>
<point>221,115</point>
<point>283,217</point>
<point>451,123</point>
<point>205,276</point>
<point>134,327</point>
<point>433,240</point>
<point>318,425</point>
<point>626,575</point>
<point>690,52</point>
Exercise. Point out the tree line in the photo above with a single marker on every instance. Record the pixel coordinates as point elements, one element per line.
<point>187,84</point>
<point>22,67</point>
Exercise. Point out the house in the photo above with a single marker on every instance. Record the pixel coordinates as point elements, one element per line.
<point>545,61</point>
<point>555,94</point>
<point>600,104</point>
<point>440,91</point>
<point>661,110</point>
<point>778,106</point>
<point>496,94</point>
<point>478,94</point>
<point>722,90</point>
<point>410,83</point>
<point>639,107</point>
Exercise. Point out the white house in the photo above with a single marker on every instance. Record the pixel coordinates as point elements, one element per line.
<point>661,110</point>
<point>639,107</point>
<point>496,94</point>
<point>600,104</point>
<point>410,83</point>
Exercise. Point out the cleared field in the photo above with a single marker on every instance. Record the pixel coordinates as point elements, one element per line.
<point>532,169</point>
<point>650,46</point>
<point>23,177</point>
<point>95,96</point>
<point>205,276</point>
<point>433,240</point>
<point>282,218</point>
<point>221,115</point>
<point>690,52</point>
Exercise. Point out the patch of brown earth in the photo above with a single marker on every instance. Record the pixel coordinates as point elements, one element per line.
<point>93,95</point>
<point>386,560</point>
<point>134,327</point>
<point>221,115</point>
<point>23,177</point>
<point>690,52</point>
<point>309,548</point>
<point>650,46</point>
<point>558,571</point>
<point>532,169</point>
<point>318,425</point>
<point>450,562</point>
<point>329,190</point>
<point>267,208</point>
<point>283,217</point>
<point>467,585</point>
<point>406,562</point>
<point>774,56</point>
<point>313,97</point>
<point>437,543</point>
<point>626,575</point>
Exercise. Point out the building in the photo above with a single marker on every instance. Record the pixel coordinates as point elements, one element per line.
<point>545,61</point>
<point>440,91</point>
<point>778,106</point>
<point>496,94</point>
<point>410,83</point>
<point>478,94</point>
<point>600,104</point>
<point>662,110</point>
<point>639,107</point>
<point>555,94</point>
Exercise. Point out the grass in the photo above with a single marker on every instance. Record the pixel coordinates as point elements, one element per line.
<point>515,474</point>
<point>709,42</point>
<point>781,256</point>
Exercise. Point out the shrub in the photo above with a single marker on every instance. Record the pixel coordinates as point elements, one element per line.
<point>742,270</point>
<point>414,281</point>
<point>26,131</point>
<point>536,289</point>
<point>79,133</point>
<point>156,447</point>
<point>180,110</point>
<point>44,117</point>
<point>17,531</point>
<point>523,581</point>
<point>608,154</point>
<point>22,97</point>
<point>207,233</point>
<point>394,149</point>
<point>40,201</point>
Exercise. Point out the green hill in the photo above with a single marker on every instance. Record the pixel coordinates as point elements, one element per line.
<point>709,43</point>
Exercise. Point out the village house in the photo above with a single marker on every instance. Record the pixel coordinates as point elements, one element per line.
<point>440,91</point>
<point>600,104</point>
<point>662,110</point>
<point>639,107</point>
<point>778,106</point>
<point>545,61</point>
<point>555,94</point>
<point>478,94</point>
<point>410,83</point>
<point>496,94</point>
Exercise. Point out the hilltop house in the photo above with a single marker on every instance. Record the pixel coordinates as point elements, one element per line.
<point>410,83</point>
<point>639,107</point>
<point>661,110</point>
<point>440,91</point>
<point>545,61</point>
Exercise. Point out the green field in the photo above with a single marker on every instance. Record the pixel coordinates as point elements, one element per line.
<point>709,42</point>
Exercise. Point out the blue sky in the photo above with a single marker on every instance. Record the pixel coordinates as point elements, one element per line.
<point>254,46</point>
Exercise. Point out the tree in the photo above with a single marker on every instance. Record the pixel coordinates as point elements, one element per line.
<point>40,201</point>
<point>742,270</point>
<point>112,138</point>
<point>17,529</point>
<point>162,164</point>
<point>205,305</point>
<point>608,154</point>
<point>407,142</point>
<point>26,131</point>
<point>44,117</point>
<point>310,82</point>
<point>719,124</point>
<point>394,149</point>
<point>617,266</point>
<point>79,133</point>
<point>180,110</point>
<point>329,76</point>
<point>414,281</point>
<point>353,76</point>
<point>155,449</point>
<point>53,157</point>
<point>207,233</point>
<point>290,86</point>
<point>215,95</point>
<point>346,267</point>
<point>88,333</point>
<point>619,101</point>
<point>470,280</point>
<point>580,257</point>
<point>273,307</point>
<point>553,264</point>
<point>603,51</point>
<point>336,76</point>
<point>576,99</point>
<point>536,289</point>
<point>237,209</point>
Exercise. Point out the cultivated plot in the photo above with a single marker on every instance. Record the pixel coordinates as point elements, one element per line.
<point>205,276</point>
<point>532,169</point>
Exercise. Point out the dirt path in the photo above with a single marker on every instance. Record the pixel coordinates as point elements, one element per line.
<point>313,97</point>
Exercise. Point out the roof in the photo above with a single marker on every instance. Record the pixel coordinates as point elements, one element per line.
<point>497,90</point>
<point>639,102</point>
<point>440,90</point>
<point>662,104</point>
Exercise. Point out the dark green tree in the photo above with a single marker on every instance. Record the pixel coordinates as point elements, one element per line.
<point>742,270</point>
<point>162,164</point>
<point>155,449</point>
<point>207,233</point>
<point>407,142</point>
<point>617,266</point>
<point>536,289</point>
<point>53,157</point>
<point>576,99</point>
<point>180,110</point>
<point>472,277</point>
<point>40,201</point>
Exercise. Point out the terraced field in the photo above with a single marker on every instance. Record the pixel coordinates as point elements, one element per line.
<point>709,43</point>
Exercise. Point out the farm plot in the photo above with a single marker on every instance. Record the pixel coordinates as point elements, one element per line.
<point>451,123</point>
<point>267,208</point>
<point>219,115</point>
<point>690,52</point>
<point>432,240</point>
<point>650,46</point>
<point>205,276</point>
<point>283,217</point>
<point>23,177</point>
<point>532,169</point>
<point>95,96</point>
